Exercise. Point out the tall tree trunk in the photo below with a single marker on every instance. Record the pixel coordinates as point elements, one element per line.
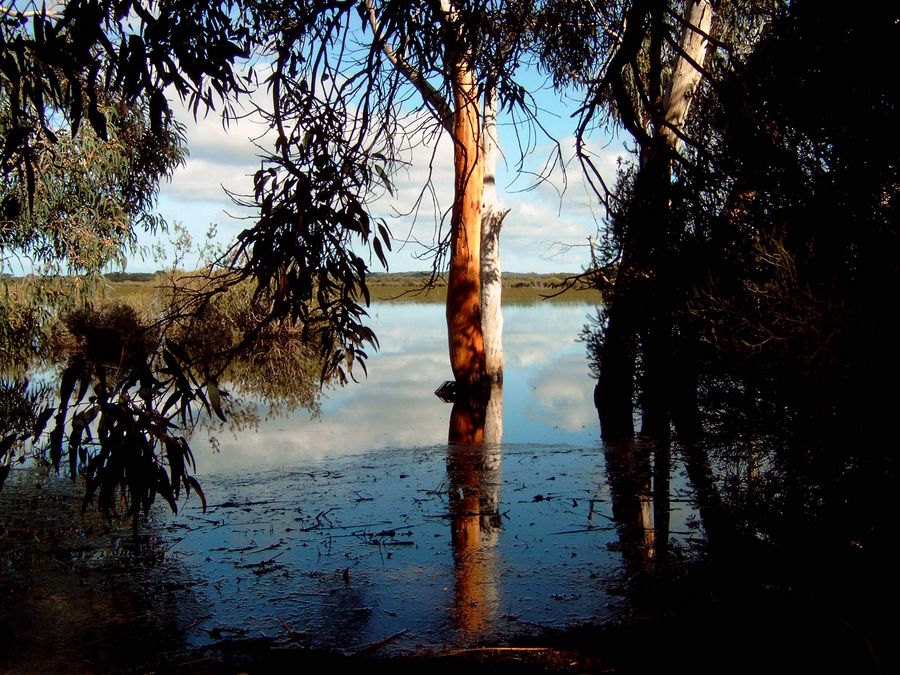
<point>491,222</point>
<point>464,283</point>
<point>666,384</point>
<point>686,77</point>
<point>640,307</point>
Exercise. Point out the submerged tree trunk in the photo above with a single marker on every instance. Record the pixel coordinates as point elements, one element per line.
<point>493,416</point>
<point>491,222</point>
<point>474,149</point>
<point>464,282</point>
<point>615,385</point>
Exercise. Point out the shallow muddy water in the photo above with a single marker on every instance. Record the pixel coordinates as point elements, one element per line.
<point>363,525</point>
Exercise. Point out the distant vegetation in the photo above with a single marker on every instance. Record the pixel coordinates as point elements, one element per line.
<point>131,276</point>
<point>518,288</point>
<point>510,279</point>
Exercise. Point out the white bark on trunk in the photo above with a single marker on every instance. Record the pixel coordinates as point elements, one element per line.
<point>492,216</point>
<point>493,416</point>
<point>685,76</point>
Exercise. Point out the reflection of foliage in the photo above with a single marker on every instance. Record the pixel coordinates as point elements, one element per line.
<point>132,390</point>
<point>232,338</point>
<point>279,369</point>
<point>124,403</point>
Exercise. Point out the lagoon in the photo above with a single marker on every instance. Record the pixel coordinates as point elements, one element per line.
<point>362,525</point>
<point>362,522</point>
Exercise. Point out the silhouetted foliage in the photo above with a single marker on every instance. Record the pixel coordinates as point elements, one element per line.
<point>142,400</point>
<point>21,403</point>
<point>783,217</point>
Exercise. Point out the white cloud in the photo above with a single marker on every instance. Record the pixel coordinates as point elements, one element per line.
<point>559,392</point>
<point>202,180</point>
<point>559,210</point>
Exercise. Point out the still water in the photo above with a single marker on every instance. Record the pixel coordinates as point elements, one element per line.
<point>546,395</point>
<point>363,523</point>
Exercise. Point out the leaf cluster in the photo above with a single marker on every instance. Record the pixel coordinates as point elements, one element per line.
<point>86,126</point>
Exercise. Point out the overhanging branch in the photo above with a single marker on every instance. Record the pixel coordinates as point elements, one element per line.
<point>431,96</point>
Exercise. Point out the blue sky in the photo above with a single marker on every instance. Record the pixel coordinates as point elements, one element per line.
<point>545,231</point>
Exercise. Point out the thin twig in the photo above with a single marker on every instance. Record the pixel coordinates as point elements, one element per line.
<point>585,529</point>
<point>372,646</point>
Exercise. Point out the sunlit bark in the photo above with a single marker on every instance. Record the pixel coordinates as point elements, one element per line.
<point>464,281</point>
<point>463,121</point>
<point>493,417</point>
<point>686,77</point>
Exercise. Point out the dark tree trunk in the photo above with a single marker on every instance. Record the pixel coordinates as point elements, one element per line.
<point>640,309</point>
<point>615,385</point>
<point>637,314</point>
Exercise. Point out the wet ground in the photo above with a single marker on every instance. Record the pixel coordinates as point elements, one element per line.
<point>76,596</point>
<point>438,548</point>
<point>269,586</point>
<point>418,551</point>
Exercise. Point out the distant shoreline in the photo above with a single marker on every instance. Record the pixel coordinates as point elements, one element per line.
<point>410,287</point>
<point>509,279</point>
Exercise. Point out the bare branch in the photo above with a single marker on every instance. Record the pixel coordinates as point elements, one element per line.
<point>431,96</point>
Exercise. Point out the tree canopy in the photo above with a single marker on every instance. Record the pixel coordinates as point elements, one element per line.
<point>86,121</point>
<point>349,85</point>
<point>753,289</point>
<point>714,251</point>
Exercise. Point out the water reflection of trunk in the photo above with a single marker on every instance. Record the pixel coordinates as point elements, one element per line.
<point>473,471</point>
<point>662,467</point>
<point>640,500</point>
<point>706,495</point>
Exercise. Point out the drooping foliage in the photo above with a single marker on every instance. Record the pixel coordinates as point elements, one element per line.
<point>71,201</point>
<point>354,86</point>
<point>85,104</point>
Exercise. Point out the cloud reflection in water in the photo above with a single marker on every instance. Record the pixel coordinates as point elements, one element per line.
<point>547,393</point>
